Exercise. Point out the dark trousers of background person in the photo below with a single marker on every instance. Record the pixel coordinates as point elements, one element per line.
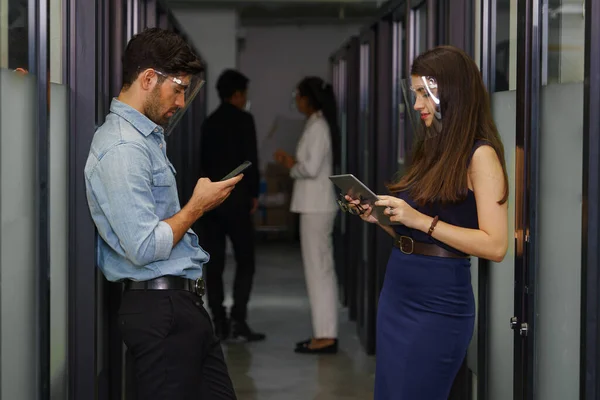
<point>176,355</point>
<point>214,228</point>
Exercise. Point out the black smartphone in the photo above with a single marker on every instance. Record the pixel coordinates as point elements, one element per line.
<point>237,171</point>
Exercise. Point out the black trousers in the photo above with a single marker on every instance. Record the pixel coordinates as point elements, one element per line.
<point>176,354</point>
<point>214,228</point>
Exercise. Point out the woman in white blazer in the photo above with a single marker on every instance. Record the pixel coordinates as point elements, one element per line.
<point>314,199</point>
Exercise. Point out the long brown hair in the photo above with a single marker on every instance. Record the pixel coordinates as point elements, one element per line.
<point>438,171</point>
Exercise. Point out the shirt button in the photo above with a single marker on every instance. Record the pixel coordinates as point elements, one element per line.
<point>160,145</point>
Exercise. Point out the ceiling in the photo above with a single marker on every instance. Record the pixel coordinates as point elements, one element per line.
<point>274,12</point>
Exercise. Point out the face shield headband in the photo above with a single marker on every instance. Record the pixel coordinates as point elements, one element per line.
<point>422,99</point>
<point>187,87</point>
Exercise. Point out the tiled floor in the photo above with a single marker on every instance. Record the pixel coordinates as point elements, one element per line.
<point>279,307</point>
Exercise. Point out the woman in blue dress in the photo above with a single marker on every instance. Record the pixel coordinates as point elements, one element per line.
<point>450,204</point>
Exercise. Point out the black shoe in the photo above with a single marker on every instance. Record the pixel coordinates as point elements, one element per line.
<point>222,329</point>
<point>241,331</point>
<point>331,349</point>
<point>303,343</point>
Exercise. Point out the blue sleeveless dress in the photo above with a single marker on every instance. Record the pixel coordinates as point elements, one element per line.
<point>426,312</point>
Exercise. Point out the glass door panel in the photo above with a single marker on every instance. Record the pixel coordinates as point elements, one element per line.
<point>558,285</point>
<point>501,276</point>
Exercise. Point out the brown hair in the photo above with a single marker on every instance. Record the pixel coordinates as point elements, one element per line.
<point>438,171</point>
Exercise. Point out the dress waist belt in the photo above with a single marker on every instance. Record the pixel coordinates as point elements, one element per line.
<point>408,245</point>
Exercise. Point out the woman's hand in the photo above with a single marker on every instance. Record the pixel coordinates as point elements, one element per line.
<point>400,211</point>
<point>283,158</point>
<point>364,212</point>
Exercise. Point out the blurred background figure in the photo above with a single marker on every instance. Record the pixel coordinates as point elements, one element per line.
<point>229,139</point>
<point>313,198</point>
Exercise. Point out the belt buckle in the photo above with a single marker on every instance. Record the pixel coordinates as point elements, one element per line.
<point>199,287</point>
<point>403,242</point>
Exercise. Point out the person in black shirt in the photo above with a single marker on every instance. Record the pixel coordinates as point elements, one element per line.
<point>229,139</point>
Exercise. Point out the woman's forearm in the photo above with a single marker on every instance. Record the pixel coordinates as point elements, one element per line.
<point>475,242</point>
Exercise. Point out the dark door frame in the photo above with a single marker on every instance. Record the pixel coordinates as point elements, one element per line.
<point>38,43</point>
<point>349,242</point>
<point>527,194</point>
<point>81,45</point>
<point>340,246</point>
<point>366,173</point>
<point>488,72</point>
<point>385,153</point>
<point>590,251</point>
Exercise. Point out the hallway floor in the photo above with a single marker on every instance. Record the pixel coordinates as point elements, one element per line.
<point>279,307</point>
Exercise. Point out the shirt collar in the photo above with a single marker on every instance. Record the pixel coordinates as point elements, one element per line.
<point>315,116</point>
<point>138,120</point>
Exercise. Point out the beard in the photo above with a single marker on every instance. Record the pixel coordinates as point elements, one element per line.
<point>154,108</point>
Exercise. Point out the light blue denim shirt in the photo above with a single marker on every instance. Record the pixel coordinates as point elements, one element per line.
<point>131,190</point>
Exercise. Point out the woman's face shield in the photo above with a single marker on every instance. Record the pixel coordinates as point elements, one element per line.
<point>177,97</point>
<point>421,95</point>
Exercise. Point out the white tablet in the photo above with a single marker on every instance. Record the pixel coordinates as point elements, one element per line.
<point>349,185</point>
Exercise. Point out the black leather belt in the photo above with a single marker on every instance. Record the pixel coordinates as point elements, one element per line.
<point>408,245</point>
<point>168,283</point>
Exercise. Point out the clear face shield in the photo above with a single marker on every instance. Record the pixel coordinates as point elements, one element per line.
<point>293,104</point>
<point>422,101</point>
<point>185,89</point>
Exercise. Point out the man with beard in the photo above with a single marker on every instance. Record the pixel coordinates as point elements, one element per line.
<point>144,236</point>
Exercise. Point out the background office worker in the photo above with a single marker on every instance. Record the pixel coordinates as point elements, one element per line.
<point>145,238</point>
<point>229,139</point>
<point>313,198</point>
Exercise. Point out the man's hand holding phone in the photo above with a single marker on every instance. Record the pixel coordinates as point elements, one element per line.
<point>209,195</point>
<point>206,196</point>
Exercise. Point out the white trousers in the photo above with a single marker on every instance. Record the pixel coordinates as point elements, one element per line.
<point>321,282</point>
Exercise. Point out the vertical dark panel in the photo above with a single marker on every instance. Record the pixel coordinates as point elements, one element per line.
<point>432,27</point>
<point>367,265</point>
<point>151,17</point>
<point>163,19</point>
<point>354,225</point>
<point>527,187</point>
<point>339,250</point>
<point>488,42</point>
<point>460,25</point>
<point>409,51</point>
<point>385,154</point>
<point>590,252</point>
<point>117,41</point>
<point>82,270</point>
<point>113,291</point>
<point>410,40</point>
<point>39,67</point>
<point>106,49</point>
<point>487,63</point>
<point>444,23</point>
<point>141,11</point>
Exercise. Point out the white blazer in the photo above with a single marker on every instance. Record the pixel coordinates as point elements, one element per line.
<point>313,191</point>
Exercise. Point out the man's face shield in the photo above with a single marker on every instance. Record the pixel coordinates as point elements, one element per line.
<point>177,93</point>
<point>422,99</point>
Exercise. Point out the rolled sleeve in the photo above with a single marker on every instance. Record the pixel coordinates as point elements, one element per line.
<point>163,236</point>
<point>122,185</point>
